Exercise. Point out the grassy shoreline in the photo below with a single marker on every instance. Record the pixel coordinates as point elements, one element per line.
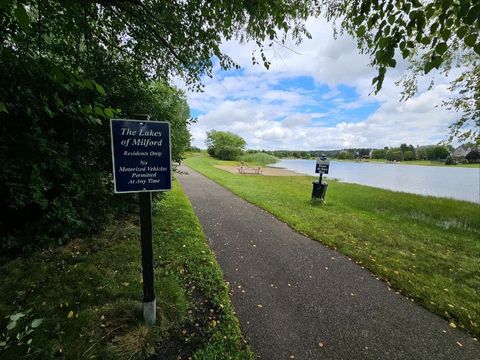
<point>88,294</point>
<point>425,247</point>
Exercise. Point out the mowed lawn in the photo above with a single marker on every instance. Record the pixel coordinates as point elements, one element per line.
<point>427,248</point>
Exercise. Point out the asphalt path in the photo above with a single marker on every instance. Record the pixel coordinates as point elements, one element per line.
<point>297,299</point>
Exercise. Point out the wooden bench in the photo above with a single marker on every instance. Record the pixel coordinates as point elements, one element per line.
<point>249,170</point>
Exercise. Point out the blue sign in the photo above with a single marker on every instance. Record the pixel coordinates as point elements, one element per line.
<point>322,165</point>
<point>141,155</point>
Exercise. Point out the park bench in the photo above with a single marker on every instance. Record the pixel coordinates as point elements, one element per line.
<point>249,170</point>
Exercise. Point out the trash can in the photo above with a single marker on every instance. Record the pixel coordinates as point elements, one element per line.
<point>319,190</point>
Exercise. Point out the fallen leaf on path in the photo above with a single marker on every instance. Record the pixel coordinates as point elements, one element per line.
<point>259,305</point>
<point>320,344</point>
<point>452,325</point>
<point>459,344</point>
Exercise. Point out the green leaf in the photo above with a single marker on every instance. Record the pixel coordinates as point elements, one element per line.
<point>428,67</point>
<point>86,83</point>
<point>16,316</point>
<point>361,31</point>
<point>109,112</point>
<point>392,63</point>
<point>391,19</point>
<point>22,17</point>
<point>426,40</point>
<point>99,111</point>
<point>36,323</point>
<point>434,63</point>
<point>462,31</point>
<point>470,39</point>
<point>446,34</point>
<point>476,48</point>
<point>11,325</point>
<point>359,19</point>
<point>383,42</point>
<point>100,89</point>
<point>405,53</point>
<point>95,120</point>
<point>441,48</point>
<point>3,107</point>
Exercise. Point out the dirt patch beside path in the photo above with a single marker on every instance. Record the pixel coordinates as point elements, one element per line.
<point>268,171</point>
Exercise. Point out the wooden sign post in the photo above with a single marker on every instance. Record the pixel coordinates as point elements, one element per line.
<point>141,155</point>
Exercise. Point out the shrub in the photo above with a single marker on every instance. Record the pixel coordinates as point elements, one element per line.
<point>258,158</point>
<point>450,161</point>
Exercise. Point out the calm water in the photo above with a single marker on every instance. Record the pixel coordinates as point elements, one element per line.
<point>452,182</point>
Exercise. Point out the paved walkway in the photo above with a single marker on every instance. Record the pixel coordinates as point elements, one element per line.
<point>298,299</point>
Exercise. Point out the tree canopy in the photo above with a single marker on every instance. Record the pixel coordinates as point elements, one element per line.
<point>440,34</point>
<point>224,145</point>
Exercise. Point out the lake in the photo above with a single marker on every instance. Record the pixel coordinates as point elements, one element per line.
<point>451,182</point>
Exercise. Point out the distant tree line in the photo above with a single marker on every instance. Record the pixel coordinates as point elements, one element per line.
<point>225,145</point>
<point>402,153</point>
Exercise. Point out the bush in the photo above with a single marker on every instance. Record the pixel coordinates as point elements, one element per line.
<point>56,182</point>
<point>258,158</point>
<point>450,161</point>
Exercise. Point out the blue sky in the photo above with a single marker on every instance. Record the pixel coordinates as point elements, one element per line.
<point>318,96</point>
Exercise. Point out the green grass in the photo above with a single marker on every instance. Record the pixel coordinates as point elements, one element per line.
<point>89,294</point>
<point>428,248</point>
<point>258,158</point>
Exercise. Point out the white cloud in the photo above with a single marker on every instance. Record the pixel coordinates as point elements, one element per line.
<point>270,113</point>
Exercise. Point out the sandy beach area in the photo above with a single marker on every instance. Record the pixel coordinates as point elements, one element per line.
<point>267,171</point>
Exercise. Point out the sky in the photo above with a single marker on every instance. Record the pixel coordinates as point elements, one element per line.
<point>317,95</point>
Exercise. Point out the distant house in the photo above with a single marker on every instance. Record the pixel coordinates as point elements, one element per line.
<point>462,151</point>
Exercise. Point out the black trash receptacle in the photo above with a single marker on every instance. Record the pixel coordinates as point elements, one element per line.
<point>319,190</point>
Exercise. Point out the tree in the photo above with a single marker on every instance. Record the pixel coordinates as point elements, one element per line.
<point>473,156</point>
<point>440,34</point>
<point>379,154</point>
<point>441,152</point>
<point>394,154</point>
<point>408,155</point>
<point>346,155</point>
<point>224,145</point>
